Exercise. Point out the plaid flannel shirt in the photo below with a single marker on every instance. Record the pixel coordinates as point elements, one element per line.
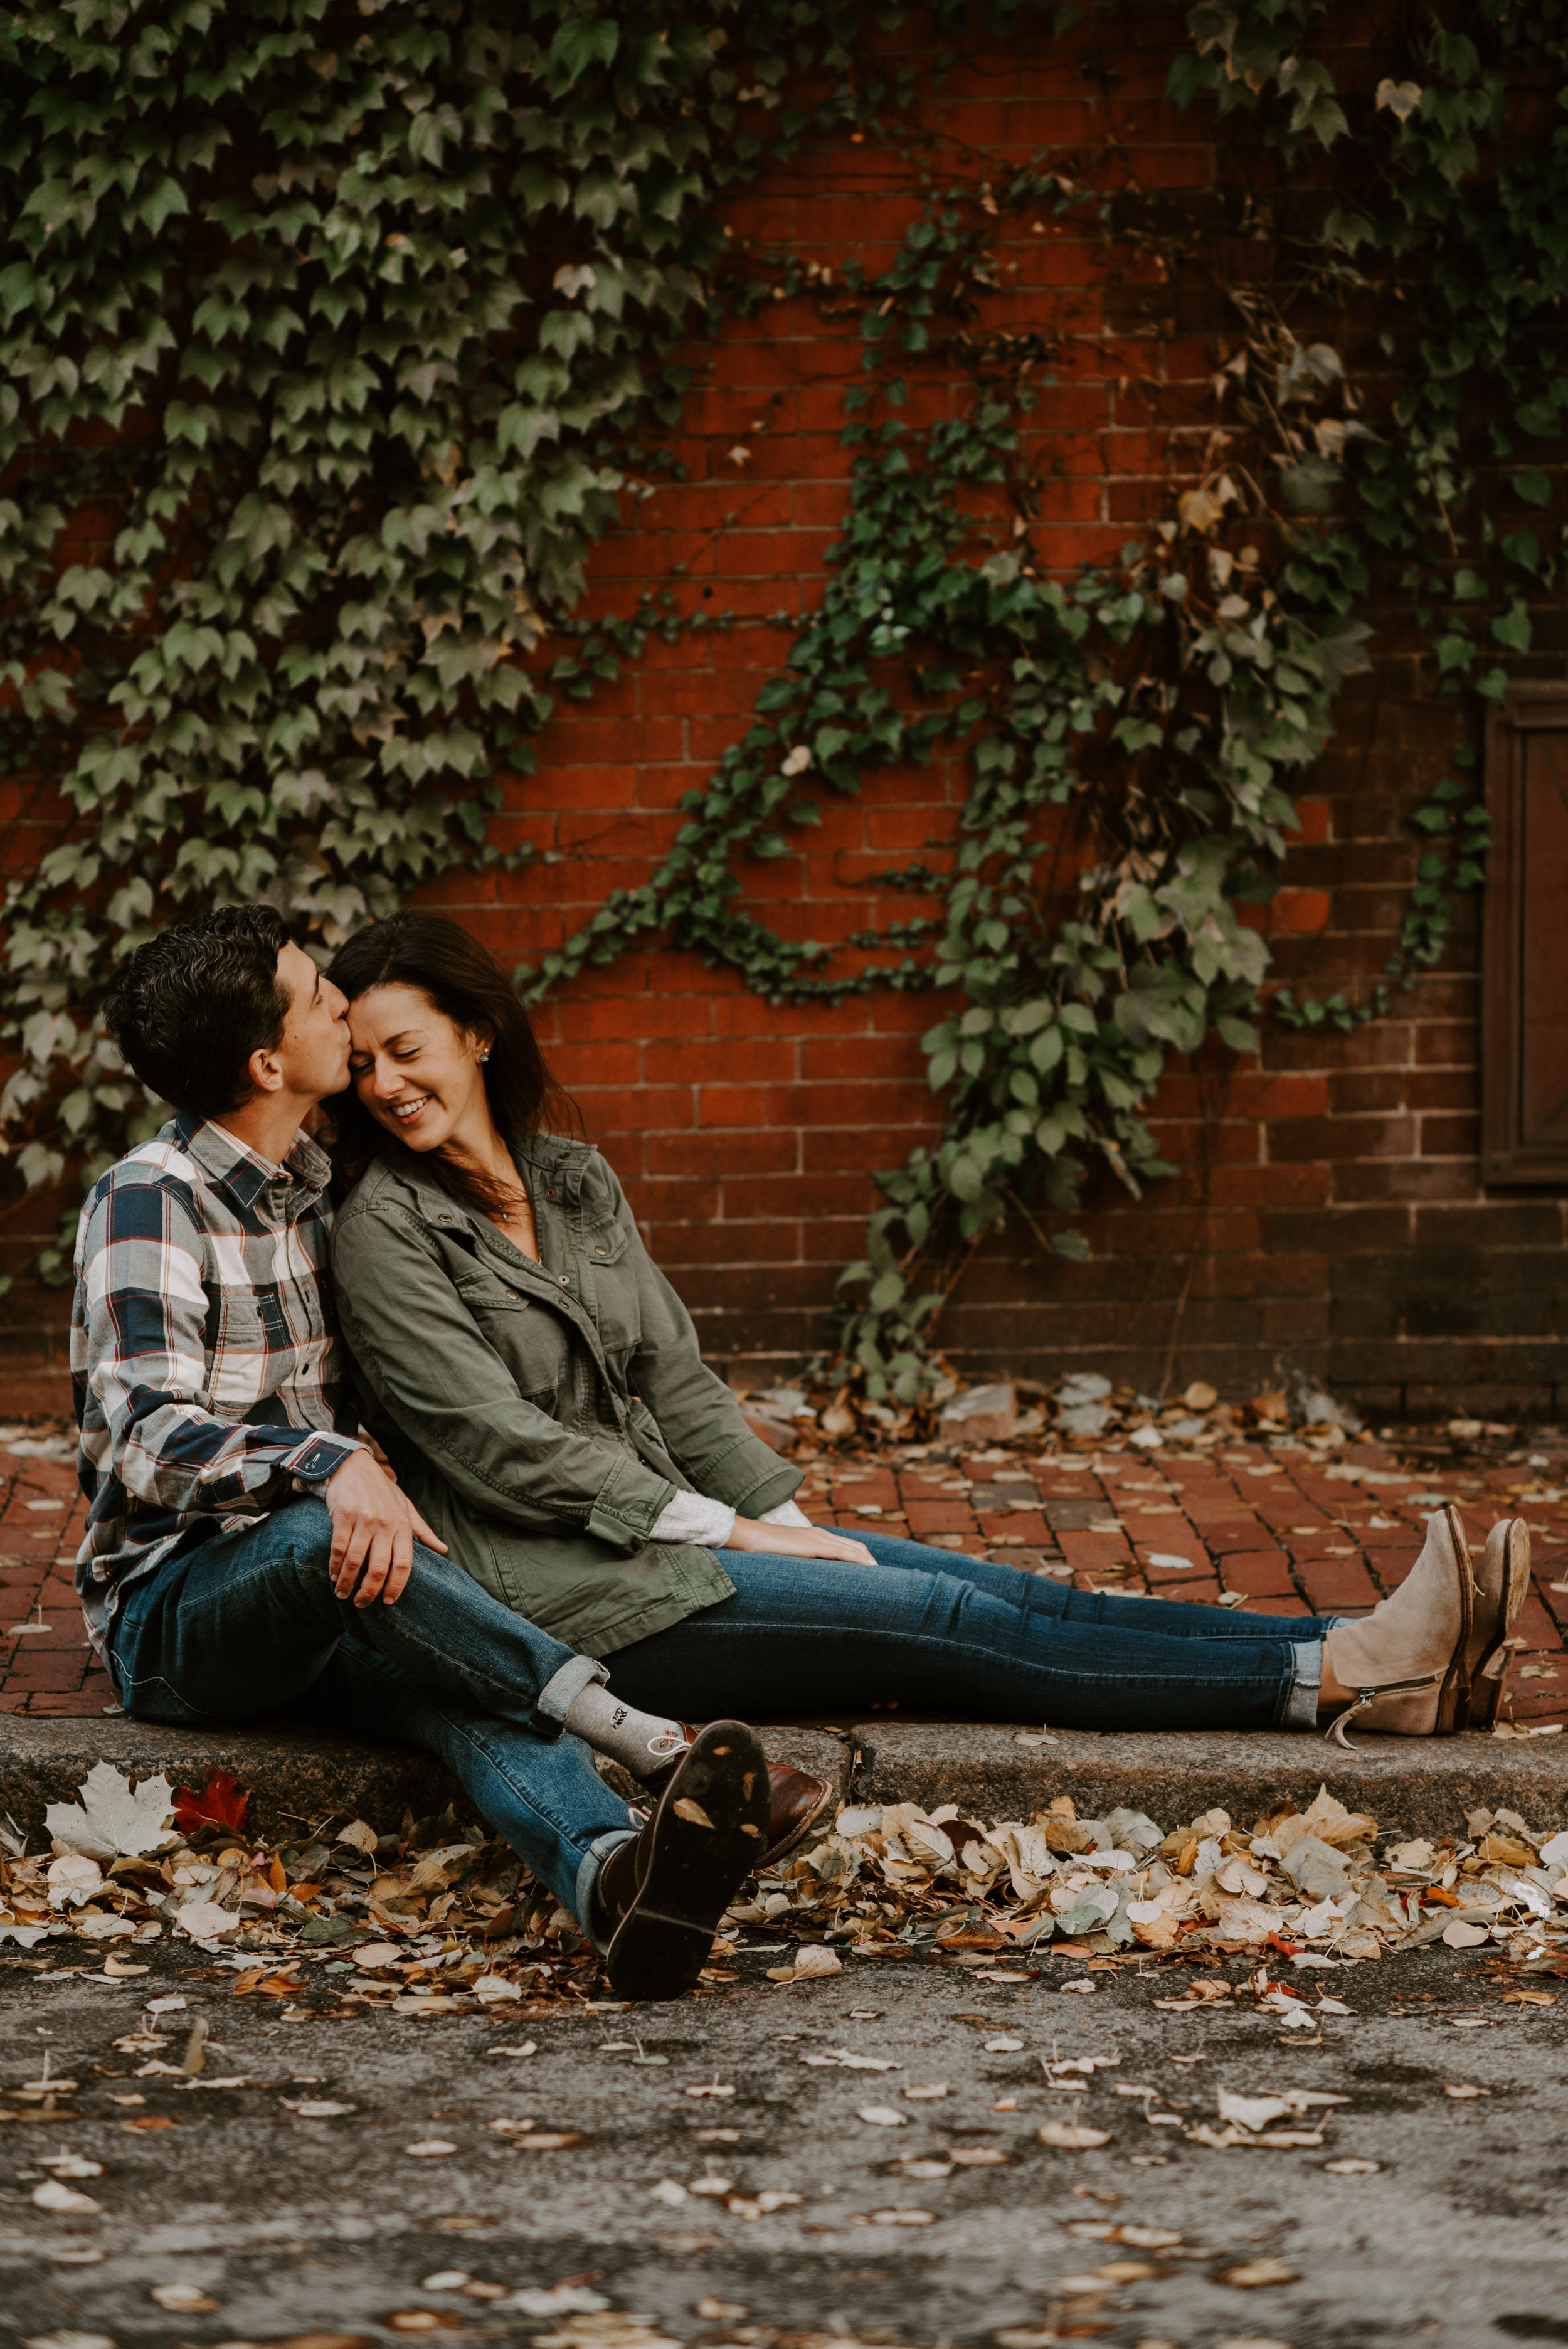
<point>205,1357</point>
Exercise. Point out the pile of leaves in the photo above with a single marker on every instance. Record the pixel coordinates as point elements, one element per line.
<point>439,1919</point>
<point>1312,1884</point>
<point>831,1407</point>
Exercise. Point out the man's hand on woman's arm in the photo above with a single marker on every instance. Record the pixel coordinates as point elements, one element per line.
<point>373,1527</point>
<point>797,1541</point>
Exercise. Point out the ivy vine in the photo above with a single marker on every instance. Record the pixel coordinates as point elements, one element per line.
<point>306,447</point>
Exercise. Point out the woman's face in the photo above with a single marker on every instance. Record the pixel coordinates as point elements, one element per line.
<point>417,1072</point>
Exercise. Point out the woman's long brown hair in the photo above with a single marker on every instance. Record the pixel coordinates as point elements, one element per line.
<point>459,978</point>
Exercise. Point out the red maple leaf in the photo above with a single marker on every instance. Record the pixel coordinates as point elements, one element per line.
<point>222,1802</point>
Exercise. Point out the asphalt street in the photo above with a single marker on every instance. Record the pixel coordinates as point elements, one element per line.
<point>719,2170</point>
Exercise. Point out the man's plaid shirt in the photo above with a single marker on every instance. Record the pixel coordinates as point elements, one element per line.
<point>204,1358</point>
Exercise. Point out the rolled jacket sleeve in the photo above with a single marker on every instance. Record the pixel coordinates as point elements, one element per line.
<point>423,1354</point>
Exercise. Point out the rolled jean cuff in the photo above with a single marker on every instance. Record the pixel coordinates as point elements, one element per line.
<point>1305,1685</point>
<point>593,1859</point>
<point>561,1692</point>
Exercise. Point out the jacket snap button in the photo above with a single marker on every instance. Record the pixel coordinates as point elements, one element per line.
<point>598,1251</point>
<point>566,1280</point>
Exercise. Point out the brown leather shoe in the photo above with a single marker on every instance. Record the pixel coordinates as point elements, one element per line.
<point>660,1898</point>
<point>796,1801</point>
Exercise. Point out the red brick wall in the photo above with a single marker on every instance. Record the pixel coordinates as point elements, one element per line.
<point>1328,1211</point>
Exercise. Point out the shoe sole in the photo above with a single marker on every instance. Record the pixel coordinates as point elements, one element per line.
<point>706,1837</point>
<point>1490,1681</point>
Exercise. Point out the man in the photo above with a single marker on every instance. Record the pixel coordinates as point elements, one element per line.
<point>245,1552</point>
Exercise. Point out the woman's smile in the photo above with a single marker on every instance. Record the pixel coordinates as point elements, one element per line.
<point>406,1112</point>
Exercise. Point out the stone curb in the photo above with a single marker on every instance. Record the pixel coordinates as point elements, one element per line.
<point>1417,1786</point>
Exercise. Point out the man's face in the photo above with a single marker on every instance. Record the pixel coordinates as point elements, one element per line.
<point>313,1051</point>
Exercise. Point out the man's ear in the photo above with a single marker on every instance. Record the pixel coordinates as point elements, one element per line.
<point>264,1071</point>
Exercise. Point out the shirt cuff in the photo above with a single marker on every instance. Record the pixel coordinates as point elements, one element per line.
<point>786,1514</point>
<point>692,1517</point>
<point>317,1460</point>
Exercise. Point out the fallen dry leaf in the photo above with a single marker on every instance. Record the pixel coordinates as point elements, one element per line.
<point>184,2299</point>
<point>54,2194</point>
<point>428,2148</point>
<point>692,1813</point>
<point>1071,2136</point>
<point>1462,2090</point>
<point>884,2116</point>
<point>1252,2274</point>
<point>810,1964</point>
<point>114,1819</point>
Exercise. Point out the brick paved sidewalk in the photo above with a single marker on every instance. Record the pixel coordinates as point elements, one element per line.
<point>1278,1530</point>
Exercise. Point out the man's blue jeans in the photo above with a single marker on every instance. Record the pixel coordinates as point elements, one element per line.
<point>247,1624</point>
<point>957,1635</point>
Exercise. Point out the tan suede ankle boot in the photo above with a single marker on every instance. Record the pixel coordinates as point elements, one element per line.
<point>1408,1660</point>
<point>1502,1582</point>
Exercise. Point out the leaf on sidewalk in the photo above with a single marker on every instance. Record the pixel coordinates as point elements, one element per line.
<point>114,1819</point>
<point>222,1802</point>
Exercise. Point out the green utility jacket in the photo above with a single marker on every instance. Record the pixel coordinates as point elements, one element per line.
<point>541,1415</point>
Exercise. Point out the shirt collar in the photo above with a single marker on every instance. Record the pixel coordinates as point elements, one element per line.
<point>244,1172</point>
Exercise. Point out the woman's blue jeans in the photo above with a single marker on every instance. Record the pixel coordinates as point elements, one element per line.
<point>948,1634</point>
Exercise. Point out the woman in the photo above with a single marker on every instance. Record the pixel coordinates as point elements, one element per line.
<point>538,1388</point>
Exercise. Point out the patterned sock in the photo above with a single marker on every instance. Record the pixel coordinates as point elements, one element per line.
<point>641,1742</point>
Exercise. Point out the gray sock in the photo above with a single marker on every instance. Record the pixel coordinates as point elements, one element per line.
<point>641,1742</point>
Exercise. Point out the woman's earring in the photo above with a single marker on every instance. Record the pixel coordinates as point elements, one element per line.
<point>484,1056</point>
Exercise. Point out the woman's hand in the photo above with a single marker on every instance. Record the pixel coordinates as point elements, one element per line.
<point>796,1541</point>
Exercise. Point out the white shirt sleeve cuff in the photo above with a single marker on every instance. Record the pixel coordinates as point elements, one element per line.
<point>786,1514</point>
<point>692,1517</point>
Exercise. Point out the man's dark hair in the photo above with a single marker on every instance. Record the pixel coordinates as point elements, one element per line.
<point>189,1007</point>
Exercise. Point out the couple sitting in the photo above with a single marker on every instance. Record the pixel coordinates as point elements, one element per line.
<point>585,1545</point>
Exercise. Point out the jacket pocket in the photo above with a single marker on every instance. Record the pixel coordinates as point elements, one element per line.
<point>532,1340</point>
<point>618,1306</point>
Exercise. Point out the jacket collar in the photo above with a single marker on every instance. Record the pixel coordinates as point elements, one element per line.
<point>226,1160</point>
<point>553,1166</point>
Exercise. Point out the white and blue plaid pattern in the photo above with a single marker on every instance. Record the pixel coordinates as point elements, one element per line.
<point>205,1362</point>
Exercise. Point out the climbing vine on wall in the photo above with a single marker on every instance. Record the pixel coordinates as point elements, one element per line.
<point>332,339</point>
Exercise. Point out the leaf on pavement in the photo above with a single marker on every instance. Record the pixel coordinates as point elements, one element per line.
<point>1071,2136</point>
<point>1252,2274</point>
<point>810,1964</point>
<point>222,1802</point>
<point>114,1819</point>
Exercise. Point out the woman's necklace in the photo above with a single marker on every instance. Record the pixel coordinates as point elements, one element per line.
<point>521,1214</point>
